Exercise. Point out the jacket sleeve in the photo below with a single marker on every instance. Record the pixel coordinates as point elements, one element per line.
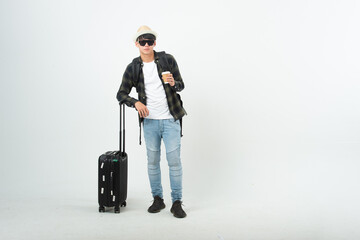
<point>125,88</point>
<point>179,84</point>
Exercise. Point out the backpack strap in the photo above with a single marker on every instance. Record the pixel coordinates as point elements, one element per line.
<point>164,62</point>
<point>136,71</point>
<point>136,74</point>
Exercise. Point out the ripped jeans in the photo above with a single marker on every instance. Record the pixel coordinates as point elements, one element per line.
<point>169,131</point>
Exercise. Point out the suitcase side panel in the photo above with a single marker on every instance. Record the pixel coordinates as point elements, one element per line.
<point>120,184</point>
<point>123,176</point>
<point>105,188</point>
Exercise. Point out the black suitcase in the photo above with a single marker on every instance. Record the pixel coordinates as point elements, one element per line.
<point>113,168</point>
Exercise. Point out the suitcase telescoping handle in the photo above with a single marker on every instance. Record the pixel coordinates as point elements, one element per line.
<point>122,129</point>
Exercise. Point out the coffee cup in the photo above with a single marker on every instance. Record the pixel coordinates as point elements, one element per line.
<point>165,75</point>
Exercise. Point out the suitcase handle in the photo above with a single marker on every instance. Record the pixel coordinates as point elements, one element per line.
<point>122,129</point>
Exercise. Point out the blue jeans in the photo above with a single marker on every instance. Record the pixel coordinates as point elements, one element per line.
<point>169,131</point>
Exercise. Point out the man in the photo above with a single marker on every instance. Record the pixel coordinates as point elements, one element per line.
<point>160,110</point>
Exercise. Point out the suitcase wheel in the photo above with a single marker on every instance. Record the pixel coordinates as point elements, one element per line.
<point>117,210</point>
<point>101,209</point>
<point>123,204</point>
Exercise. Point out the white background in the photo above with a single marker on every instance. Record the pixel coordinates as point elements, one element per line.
<point>271,144</point>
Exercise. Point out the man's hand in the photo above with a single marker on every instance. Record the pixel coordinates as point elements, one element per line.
<point>170,80</point>
<point>142,109</point>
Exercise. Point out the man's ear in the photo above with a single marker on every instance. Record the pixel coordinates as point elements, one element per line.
<point>155,43</point>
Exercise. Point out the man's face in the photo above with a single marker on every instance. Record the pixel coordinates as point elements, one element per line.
<point>146,46</point>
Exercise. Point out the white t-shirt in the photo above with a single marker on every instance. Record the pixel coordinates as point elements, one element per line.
<point>156,100</point>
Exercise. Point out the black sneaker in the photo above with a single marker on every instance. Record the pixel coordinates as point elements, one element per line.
<point>157,205</point>
<point>177,210</point>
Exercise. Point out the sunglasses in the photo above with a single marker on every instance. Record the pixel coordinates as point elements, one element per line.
<point>149,42</point>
